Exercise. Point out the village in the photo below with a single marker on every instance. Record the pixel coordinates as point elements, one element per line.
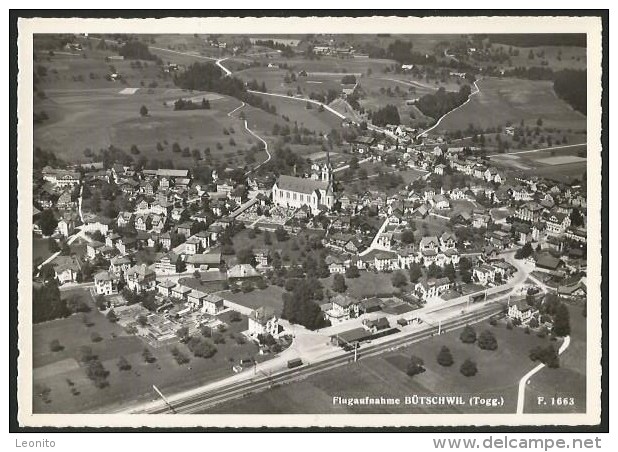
<point>160,264</point>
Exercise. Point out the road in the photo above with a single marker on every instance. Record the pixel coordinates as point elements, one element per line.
<point>268,156</point>
<point>374,242</point>
<point>525,380</point>
<point>540,149</point>
<point>425,132</point>
<point>251,381</point>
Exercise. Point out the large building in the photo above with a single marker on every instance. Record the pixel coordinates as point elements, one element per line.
<point>315,192</point>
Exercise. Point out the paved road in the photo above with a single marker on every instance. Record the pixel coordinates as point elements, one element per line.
<point>271,372</point>
<point>540,149</point>
<point>424,133</point>
<point>525,380</point>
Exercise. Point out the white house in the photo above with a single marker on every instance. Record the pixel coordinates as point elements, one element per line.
<point>263,321</point>
<point>105,283</point>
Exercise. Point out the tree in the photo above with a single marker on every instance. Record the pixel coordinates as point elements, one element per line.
<point>111,316</point>
<point>183,334</point>
<point>47,222</point>
<point>468,335</point>
<point>339,283</point>
<point>562,325</point>
<point>352,272</point>
<point>487,341</point>
<point>143,111</point>
<point>577,220</point>
<point>148,356</point>
<point>281,234</point>
<point>399,279</point>
<point>524,252</point>
<point>445,358</point>
<point>407,236</point>
<point>415,366</point>
<point>468,368</point>
<point>123,364</point>
<point>415,273</point>
<point>55,346</point>
<point>181,266</point>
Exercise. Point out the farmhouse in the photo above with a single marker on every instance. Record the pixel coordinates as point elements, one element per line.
<point>263,321</point>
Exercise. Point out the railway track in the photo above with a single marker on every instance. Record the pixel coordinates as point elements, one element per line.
<point>202,401</point>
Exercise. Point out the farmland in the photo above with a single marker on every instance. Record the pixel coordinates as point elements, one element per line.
<point>56,369</point>
<point>117,122</point>
<point>512,100</point>
<point>499,372</point>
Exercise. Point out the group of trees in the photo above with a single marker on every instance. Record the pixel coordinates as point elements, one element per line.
<point>386,115</point>
<point>570,85</point>
<point>182,104</point>
<point>136,50</point>
<point>209,77</point>
<point>299,303</point>
<point>442,101</point>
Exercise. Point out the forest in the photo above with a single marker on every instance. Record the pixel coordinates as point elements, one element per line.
<point>440,103</point>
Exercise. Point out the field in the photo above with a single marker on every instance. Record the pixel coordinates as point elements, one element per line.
<point>368,284</point>
<point>498,375</point>
<point>503,100</point>
<point>40,249</point>
<point>56,369</point>
<point>563,164</point>
<point>111,118</point>
<point>567,381</point>
<point>269,297</point>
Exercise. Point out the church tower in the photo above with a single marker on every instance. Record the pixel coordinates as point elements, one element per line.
<point>327,169</point>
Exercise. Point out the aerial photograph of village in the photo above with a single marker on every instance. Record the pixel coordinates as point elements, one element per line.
<point>309,223</point>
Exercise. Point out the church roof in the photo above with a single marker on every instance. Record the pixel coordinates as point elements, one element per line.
<point>301,185</point>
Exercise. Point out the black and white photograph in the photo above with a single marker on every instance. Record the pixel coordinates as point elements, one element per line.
<point>328,221</point>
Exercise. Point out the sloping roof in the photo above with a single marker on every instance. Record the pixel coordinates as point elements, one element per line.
<point>162,172</point>
<point>207,258</point>
<point>548,261</point>
<point>263,314</point>
<point>300,184</point>
<point>344,300</point>
<point>242,271</point>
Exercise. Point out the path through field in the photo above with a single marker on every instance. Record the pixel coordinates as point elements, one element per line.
<point>424,133</point>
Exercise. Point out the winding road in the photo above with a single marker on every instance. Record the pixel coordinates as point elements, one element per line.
<point>268,156</point>
<point>424,133</point>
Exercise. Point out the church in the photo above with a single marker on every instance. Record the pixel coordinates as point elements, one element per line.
<point>315,192</point>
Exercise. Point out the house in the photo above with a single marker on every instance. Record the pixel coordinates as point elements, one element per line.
<point>66,226</point>
<point>492,175</point>
<point>243,271</point>
<point>180,292</point>
<point>105,283</point>
<point>429,243</point>
<point>140,278</point>
<point>376,325</point>
<point>577,290</point>
<point>167,263</point>
<point>547,262</point>
<point>195,298</point>
<point>262,257</point>
<point>212,304</point>
<point>430,288</point>
<point>192,245</point>
<point>203,262</point>
<point>60,178</point>
<point>165,287</point>
<point>557,223</point>
<point>143,222</point>
<point>185,229</point>
<point>385,261</point>
<point>576,234</point>
<point>530,211</point>
<point>343,307</point>
<point>93,249</point>
<point>335,264</point>
<point>66,269</point>
<point>480,220</point>
<point>448,241</point>
<point>124,219</point>
<point>65,200</point>
<point>440,202</point>
<point>263,321</point>
<point>484,274</point>
<point>522,312</point>
<point>439,169</point>
<point>119,265</point>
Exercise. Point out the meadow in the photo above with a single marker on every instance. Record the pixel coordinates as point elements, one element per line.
<point>385,375</point>
<point>502,100</point>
